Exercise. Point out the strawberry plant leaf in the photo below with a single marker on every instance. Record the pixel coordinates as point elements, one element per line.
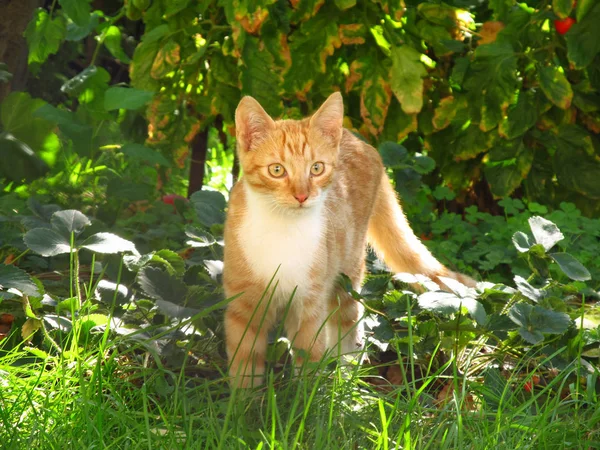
<point>571,267</point>
<point>108,243</point>
<point>545,232</point>
<point>12,277</point>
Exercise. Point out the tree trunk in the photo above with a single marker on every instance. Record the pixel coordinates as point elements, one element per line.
<point>197,166</point>
<point>15,17</point>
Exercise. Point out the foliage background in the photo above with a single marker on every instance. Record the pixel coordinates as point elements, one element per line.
<point>485,113</point>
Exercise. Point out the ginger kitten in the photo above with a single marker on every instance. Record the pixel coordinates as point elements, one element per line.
<point>311,197</point>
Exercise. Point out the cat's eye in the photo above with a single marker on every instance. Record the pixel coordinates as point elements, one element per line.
<point>276,170</point>
<point>317,168</point>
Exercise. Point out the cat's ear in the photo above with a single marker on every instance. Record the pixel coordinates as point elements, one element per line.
<point>328,121</point>
<point>252,124</point>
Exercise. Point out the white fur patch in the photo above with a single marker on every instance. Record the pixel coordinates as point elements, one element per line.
<point>272,238</point>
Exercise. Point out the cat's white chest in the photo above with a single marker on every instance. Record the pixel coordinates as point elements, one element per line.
<point>280,246</point>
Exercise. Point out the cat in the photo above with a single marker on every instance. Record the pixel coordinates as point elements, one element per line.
<point>312,195</point>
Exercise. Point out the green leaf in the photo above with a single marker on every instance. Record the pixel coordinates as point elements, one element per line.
<point>571,267</point>
<point>545,232</point>
<point>17,114</point>
<point>521,242</point>
<point>407,78</point>
<point>108,243</point>
<point>583,7</point>
<point>310,46</point>
<point>258,79</point>
<point>209,206</point>
<point>506,175</point>
<point>169,292</point>
<point>112,40</point>
<point>449,303</point>
<point>522,116</point>
<point>528,290</point>
<point>69,221</point>
<point>393,155</point>
<point>141,153</point>
<point>198,237</point>
<point>583,39</point>
<point>108,292</point>
<point>18,162</point>
<point>556,86</point>
<point>562,8</point>
<point>12,277</point>
<point>143,59</point>
<point>492,81</point>
<point>548,321</point>
<point>77,10</point>
<point>175,263</point>
<point>44,36</point>
<point>125,98</point>
<point>345,4</point>
<point>375,93</point>
<point>47,242</point>
<point>76,33</point>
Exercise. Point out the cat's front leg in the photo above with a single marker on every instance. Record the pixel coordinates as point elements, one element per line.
<point>247,322</point>
<point>307,330</point>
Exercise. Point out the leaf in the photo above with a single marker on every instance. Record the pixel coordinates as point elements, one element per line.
<point>209,206</point>
<point>375,94</point>
<point>583,39</point>
<point>112,41</point>
<point>506,175</point>
<point>18,115</point>
<point>562,8</point>
<point>167,59</point>
<point>108,243</point>
<point>44,36</point>
<point>548,321</point>
<point>77,10</point>
<point>108,292</point>
<point>258,78</point>
<point>76,33</point>
<point>141,153</point>
<point>168,291</point>
<point>24,165</point>
<point>69,221</point>
<point>12,277</point>
<point>407,78</point>
<point>47,242</point>
<point>199,238</point>
<point>583,7</point>
<point>143,58</point>
<point>29,328</point>
<point>448,303</point>
<point>571,267</point>
<point>556,86</point>
<point>5,75</point>
<point>492,81</point>
<point>521,242</point>
<point>175,263</point>
<point>310,46</point>
<point>125,98</point>
<point>545,232</point>
<point>444,113</point>
<point>522,116</point>
<point>393,155</point>
<point>528,290</point>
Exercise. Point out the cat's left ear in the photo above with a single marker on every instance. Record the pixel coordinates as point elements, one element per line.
<point>328,121</point>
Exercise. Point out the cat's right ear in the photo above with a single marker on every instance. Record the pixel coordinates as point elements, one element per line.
<point>252,124</point>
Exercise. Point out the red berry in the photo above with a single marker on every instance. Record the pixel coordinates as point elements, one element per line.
<point>169,199</point>
<point>564,25</point>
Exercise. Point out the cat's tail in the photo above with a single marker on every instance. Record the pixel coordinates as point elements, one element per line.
<point>395,242</point>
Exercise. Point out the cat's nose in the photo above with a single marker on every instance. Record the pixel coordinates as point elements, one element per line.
<point>301,197</point>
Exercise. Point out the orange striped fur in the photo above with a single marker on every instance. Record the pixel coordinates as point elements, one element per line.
<point>301,227</point>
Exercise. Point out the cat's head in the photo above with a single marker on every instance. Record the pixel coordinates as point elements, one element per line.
<point>289,162</point>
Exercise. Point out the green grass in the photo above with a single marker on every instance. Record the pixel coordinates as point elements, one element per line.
<point>116,396</point>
